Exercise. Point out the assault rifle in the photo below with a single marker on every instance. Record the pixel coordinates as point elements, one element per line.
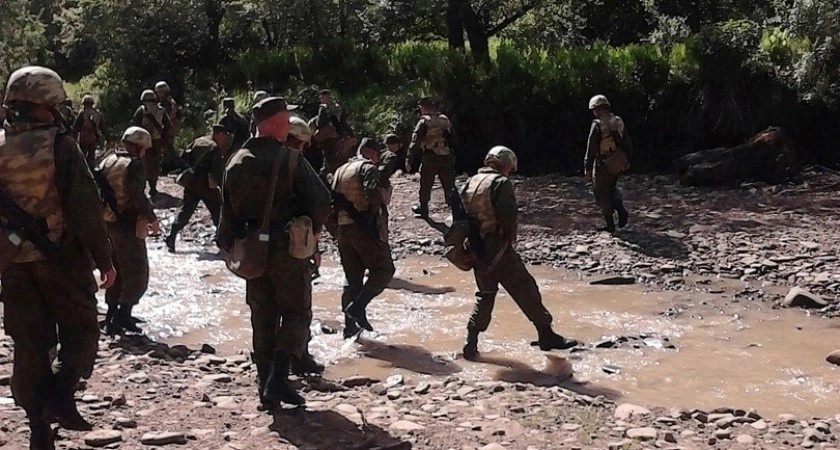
<point>367,220</point>
<point>32,229</point>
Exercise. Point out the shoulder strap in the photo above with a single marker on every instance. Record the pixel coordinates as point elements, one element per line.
<point>275,174</point>
<point>294,155</point>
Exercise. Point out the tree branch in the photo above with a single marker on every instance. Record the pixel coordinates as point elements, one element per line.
<point>507,21</point>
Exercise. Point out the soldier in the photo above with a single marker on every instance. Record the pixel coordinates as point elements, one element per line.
<point>606,135</point>
<point>490,202</point>
<point>207,157</point>
<point>283,295</point>
<point>235,122</point>
<point>362,235</point>
<point>153,118</point>
<point>431,149</point>
<point>258,97</point>
<point>164,95</point>
<point>88,128</point>
<point>130,217</point>
<point>332,133</point>
<point>48,289</point>
<point>394,145</point>
<point>387,166</point>
<point>68,114</point>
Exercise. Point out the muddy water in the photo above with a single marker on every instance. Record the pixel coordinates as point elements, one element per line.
<point>772,361</point>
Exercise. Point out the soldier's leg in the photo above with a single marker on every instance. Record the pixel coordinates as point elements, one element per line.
<point>293,288</point>
<point>602,183</point>
<point>354,274</point>
<point>260,296</point>
<point>447,177</point>
<point>618,204</point>
<point>485,300</point>
<point>151,164</point>
<point>428,171</point>
<point>213,202</point>
<point>113,293</point>
<point>376,257</point>
<point>183,219</point>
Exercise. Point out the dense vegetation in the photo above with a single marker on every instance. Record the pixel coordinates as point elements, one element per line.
<point>684,74</point>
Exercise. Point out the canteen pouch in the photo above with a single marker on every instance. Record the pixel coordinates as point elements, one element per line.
<point>248,257</point>
<point>302,242</point>
<point>617,163</point>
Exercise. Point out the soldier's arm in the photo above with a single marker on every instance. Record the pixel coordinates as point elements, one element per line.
<point>627,143</point>
<point>504,202</point>
<point>225,234</point>
<point>167,124</point>
<point>323,117</point>
<point>370,182</point>
<point>416,138</point>
<point>387,166</point>
<point>592,146</point>
<point>77,124</point>
<point>137,120</point>
<point>81,202</point>
<point>314,194</point>
<point>136,189</point>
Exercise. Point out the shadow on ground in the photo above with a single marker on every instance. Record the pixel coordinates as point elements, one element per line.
<point>654,244</point>
<point>409,357</point>
<point>405,285</point>
<point>330,430</point>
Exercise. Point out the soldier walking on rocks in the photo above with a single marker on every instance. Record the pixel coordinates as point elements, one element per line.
<point>152,117</point>
<point>489,201</point>
<point>130,217</point>
<point>279,292</point>
<point>88,128</point>
<point>431,152</point>
<point>362,235</point>
<point>606,158</point>
<point>202,182</point>
<point>52,235</point>
<point>333,134</point>
<point>163,92</point>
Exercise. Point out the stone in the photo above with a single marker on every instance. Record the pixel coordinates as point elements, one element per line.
<point>620,445</point>
<point>218,378</point>
<point>627,411</point>
<point>465,391</point>
<point>834,357</point>
<point>745,439</point>
<point>613,281</point>
<point>642,434</point>
<point>422,388</point>
<point>90,398</point>
<point>125,422</point>
<point>102,438</point>
<point>406,426</point>
<point>723,434</point>
<point>493,446</point>
<point>208,349</point>
<point>358,381</point>
<point>571,427</point>
<point>394,381</point>
<point>800,298</point>
<point>164,438</point>
<point>138,377</point>
<point>789,419</point>
<point>669,437</point>
<point>759,425</point>
<point>394,394</point>
<point>5,379</point>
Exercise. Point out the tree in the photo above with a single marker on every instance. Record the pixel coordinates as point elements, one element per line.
<point>481,20</point>
<point>23,37</point>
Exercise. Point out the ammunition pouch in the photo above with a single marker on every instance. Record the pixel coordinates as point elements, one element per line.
<point>302,242</point>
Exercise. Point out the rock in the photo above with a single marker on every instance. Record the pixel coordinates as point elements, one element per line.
<point>208,349</point>
<point>166,438</point>
<point>119,401</point>
<point>642,434</point>
<point>5,379</point>
<point>581,249</point>
<point>627,411</point>
<point>745,439</point>
<point>834,357</point>
<point>789,419</point>
<point>620,445</point>
<point>493,446</point>
<point>465,391</point>
<point>125,422</point>
<point>613,281</point>
<point>723,434</point>
<point>406,426</point>
<point>800,298</point>
<point>358,381</point>
<point>759,425</point>
<point>90,398</point>
<point>101,438</point>
<point>394,381</point>
<point>422,388</point>
<point>394,394</point>
<point>570,427</point>
<point>669,437</point>
<point>138,377</point>
<point>218,378</point>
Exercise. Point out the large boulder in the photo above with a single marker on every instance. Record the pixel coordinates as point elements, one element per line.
<point>800,298</point>
<point>770,157</point>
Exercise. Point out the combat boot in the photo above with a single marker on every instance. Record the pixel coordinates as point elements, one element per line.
<point>277,389</point>
<point>610,224</point>
<point>42,436</point>
<point>471,347</point>
<point>170,241</point>
<point>623,216</point>
<point>306,365</point>
<point>61,405</point>
<point>549,340</point>
<point>420,210</point>
<point>351,329</point>
<point>123,319</point>
<point>356,310</point>
<point>109,316</point>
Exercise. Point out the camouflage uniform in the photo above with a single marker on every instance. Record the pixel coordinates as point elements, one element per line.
<point>88,127</point>
<point>154,119</point>
<point>490,201</point>
<point>361,247</point>
<point>283,295</point>
<point>208,165</point>
<point>125,174</point>
<point>431,144</point>
<point>50,301</point>
<point>238,125</point>
<point>170,158</point>
<point>605,135</point>
<point>332,129</point>
<point>68,115</point>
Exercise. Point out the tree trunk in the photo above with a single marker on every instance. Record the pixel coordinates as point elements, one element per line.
<point>476,33</point>
<point>215,12</point>
<point>454,24</point>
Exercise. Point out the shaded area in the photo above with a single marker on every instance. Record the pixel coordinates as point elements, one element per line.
<point>558,372</point>
<point>654,244</point>
<point>165,201</point>
<point>140,344</point>
<point>409,357</point>
<point>406,285</point>
<point>329,430</point>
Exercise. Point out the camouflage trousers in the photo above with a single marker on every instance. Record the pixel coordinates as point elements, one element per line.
<point>88,146</point>
<point>151,163</point>
<point>46,304</point>
<point>211,198</point>
<point>442,167</point>
<point>510,271</point>
<point>362,252</point>
<point>605,188</point>
<point>132,263</point>
<point>281,307</point>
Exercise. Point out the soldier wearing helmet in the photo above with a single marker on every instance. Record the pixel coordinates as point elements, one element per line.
<point>258,97</point>
<point>235,122</point>
<point>431,152</point>
<point>607,149</point>
<point>152,117</point>
<point>206,156</point>
<point>362,233</point>
<point>333,134</point>
<point>130,217</point>
<point>170,158</point>
<point>89,128</point>
<point>490,202</point>
<point>48,289</point>
<point>68,114</point>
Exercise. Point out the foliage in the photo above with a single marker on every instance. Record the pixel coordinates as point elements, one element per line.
<point>23,36</point>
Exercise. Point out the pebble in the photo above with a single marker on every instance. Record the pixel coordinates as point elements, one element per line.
<point>642,434</point>
<point>759,425</point>
<point>394,381</point>
<point>165,438</point>
<point>406,426</point>
<point>745,439</point>
<point>493,446</point>
<point>834,357</point>
<point>124,422</point>
<point>102,438</point>
<point>422,388</point>
<point>628,411</point>
<point>138,377</point>
<point>723,434</point>
<point>218,378</point>
<point>358,381</point>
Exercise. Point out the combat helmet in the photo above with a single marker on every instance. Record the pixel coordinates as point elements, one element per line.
<point>137,136</point>
<point>148,96</point>
<point>35,84</point>
<point>598,100</point>
<point>502,154</point>
<point>88,100</point>
<point>300,129</point>
<point>162,86</point>
<point>260,96</point>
